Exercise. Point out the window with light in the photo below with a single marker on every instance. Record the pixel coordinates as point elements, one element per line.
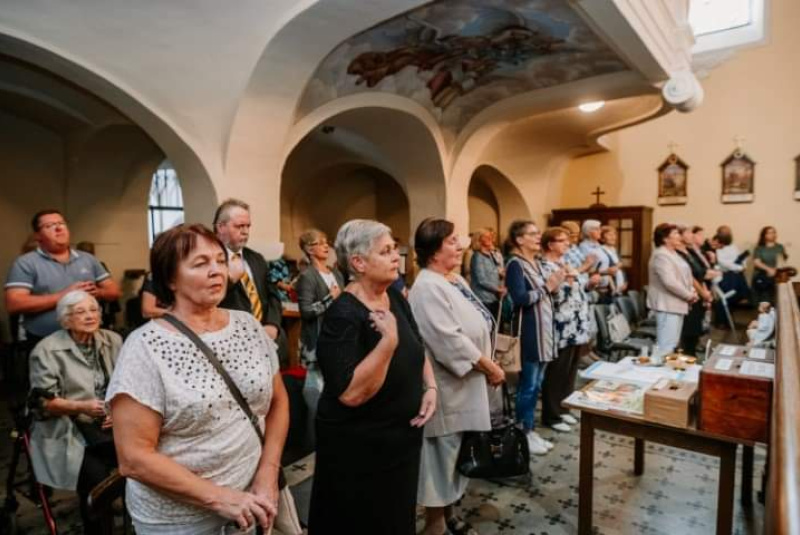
<point>165,208</point>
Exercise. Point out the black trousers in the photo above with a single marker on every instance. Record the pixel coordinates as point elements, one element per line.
<point>98,463</point>
<point>692,328</point>
<point>559,382</point>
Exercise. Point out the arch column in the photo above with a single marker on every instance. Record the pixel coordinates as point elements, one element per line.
<point>200,197</point>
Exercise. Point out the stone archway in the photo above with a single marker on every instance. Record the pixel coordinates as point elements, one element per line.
<point>494,201</point>
<point>351,191</point>
<point>397,142</point>
<point>201,198</point>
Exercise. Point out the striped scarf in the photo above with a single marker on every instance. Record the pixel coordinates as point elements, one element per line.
<point>543,313</point>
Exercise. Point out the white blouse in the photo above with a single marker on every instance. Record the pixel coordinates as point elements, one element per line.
<point>203,428</point>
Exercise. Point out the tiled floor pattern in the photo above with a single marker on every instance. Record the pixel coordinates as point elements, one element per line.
<point>676,495</point>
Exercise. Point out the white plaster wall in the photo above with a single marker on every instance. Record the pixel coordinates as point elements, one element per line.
<point>483,207</point>
<point>753,95</point>
<point>107,188</point>
<point>31,177</point>
<point>100,182</point>
<point>337,195</point>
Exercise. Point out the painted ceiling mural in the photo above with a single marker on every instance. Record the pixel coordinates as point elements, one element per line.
<point>457,57</point>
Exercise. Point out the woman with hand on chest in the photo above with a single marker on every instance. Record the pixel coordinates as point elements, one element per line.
<point>379,393</point>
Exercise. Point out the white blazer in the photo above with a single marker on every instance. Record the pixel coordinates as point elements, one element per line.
<point>456,335</point>
<point>671,285</point>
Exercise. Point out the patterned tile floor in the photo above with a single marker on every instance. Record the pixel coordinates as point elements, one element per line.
<point>677,494</point>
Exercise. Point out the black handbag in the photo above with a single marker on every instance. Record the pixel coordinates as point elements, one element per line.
<point>496,454</point>
<point>93,432</point>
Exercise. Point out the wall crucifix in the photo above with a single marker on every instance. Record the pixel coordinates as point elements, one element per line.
<point>597,193</point>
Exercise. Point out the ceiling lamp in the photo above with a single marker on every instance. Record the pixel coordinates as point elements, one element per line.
<point>591,107</point>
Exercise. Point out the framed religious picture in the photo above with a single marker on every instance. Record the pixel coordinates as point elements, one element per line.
<point>673,177</point>
<point>738,176</point>
<point>797,178</point>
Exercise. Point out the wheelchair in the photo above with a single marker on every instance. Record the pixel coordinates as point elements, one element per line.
<point>15,376</point>
<point>101,498</point>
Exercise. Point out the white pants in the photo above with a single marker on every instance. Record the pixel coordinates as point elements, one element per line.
<point>668,332</point>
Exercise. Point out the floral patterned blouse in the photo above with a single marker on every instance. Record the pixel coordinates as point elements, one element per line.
<point>279,272</point>
<point>571,309</point>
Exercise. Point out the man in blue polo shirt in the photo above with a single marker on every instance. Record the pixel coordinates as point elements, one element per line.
<point>37,280</point>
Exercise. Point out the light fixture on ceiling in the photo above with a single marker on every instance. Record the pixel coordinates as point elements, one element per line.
<point>591,107</point>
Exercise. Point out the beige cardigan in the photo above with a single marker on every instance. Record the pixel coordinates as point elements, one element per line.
<point>670,287</point>
<point>455,336</point>
<point>57,366</point>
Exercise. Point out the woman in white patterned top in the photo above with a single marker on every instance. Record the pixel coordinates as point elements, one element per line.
<point>573,328</point>
<point>193,461</point>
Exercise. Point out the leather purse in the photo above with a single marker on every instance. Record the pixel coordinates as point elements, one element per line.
<point>287,521</point>
<point>496,454</point>
<point>508,348</point>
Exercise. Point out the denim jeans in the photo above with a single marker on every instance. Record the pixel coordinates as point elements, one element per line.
<point>530,382</point>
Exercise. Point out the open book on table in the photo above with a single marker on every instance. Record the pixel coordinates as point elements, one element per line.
<point>606,395</point>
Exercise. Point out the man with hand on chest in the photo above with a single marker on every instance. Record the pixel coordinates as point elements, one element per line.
<point>38,279</point>
<point>249,288</point>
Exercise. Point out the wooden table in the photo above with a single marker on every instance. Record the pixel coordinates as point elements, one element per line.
<point>686,438</point>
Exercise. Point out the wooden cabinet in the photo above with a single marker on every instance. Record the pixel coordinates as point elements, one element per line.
<point>733,404</point>
<point>634,225</point>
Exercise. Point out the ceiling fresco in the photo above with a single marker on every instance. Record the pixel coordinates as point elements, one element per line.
<point>457,57</point>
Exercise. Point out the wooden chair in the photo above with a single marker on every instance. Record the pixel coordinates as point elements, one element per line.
<point>102,502</point>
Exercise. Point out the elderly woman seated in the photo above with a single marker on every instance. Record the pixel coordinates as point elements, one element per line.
<point>71,443</point>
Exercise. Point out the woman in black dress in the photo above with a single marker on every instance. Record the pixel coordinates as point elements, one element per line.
<point>692,328</point>
<point>379,393</point>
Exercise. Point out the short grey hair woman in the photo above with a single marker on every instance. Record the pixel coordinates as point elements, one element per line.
<point>71,443</point>
<point>379,392</point>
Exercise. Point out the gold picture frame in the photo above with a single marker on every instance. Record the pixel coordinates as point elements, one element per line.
<point>738,178</point>
<point>797,178</point>
<point>673,181</point>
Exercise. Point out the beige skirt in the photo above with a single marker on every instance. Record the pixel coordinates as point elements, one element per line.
<point>440,484</point>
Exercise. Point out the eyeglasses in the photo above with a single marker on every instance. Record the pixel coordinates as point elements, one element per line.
<point>85,311</point>
<point>54,224</point>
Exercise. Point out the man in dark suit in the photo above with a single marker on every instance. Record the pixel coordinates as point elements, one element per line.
<point>249,288</point>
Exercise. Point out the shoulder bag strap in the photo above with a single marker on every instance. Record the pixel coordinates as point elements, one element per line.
<point>234,390</point>
<point>212,358</point>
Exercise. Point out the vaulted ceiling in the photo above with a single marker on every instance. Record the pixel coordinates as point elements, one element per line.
<point>227,90</point>
<point>458,57</point>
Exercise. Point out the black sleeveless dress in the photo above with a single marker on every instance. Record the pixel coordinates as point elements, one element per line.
<point>367,464</point>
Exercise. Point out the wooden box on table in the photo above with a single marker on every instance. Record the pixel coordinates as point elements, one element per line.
<point>670,402</point>
<point>734,404</point>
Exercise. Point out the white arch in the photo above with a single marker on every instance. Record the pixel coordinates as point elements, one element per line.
<point>397,140</point>
<point>510,203</point>
<point>201,200</point>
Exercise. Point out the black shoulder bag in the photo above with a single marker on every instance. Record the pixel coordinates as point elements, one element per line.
<point>496,454</point>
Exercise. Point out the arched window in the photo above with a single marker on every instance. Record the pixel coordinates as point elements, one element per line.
<point>710,16</point>
<point>724,24</point>
<point>166,201</point>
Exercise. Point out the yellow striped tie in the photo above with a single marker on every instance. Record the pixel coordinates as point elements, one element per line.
<point>252,293</point>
